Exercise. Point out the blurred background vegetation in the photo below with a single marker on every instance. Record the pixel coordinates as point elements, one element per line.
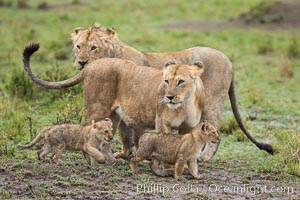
<point>262,43</point>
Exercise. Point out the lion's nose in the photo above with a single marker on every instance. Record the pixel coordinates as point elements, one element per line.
<point>82,63</point>
<point>170,97</point>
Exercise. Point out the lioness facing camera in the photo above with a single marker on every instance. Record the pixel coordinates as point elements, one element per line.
<point>93,140</point>
<point>181,98</point>
<point>178,150</point>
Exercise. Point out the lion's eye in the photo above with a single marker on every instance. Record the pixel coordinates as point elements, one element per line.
<point>180,82</point>
<point>78,46</point>
<point>166,81</point>
<point>93,48</point>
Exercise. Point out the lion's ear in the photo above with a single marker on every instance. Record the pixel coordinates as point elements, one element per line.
<point>96,26</point>
<point>110,31</point>
<point>198,68</point>
<point>203,127</point>
<point>77,30</point>
<point>170,63</point>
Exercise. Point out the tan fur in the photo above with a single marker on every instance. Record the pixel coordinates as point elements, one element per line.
<point>93,140</point>
<point>125,91</point>
<point>178,150</point>
<point>181,98</point>
<point>218,77</point>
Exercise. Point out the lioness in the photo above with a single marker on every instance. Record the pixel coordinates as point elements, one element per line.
<point>124,90</point>
<point>218,79</point>
<point>180,150</point>
<point>93,140</point>
<point>181,93</point>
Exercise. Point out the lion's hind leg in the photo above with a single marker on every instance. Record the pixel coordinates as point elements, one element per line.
<point>46,149</point>
<point>158,168</point>
<point>57,151</point>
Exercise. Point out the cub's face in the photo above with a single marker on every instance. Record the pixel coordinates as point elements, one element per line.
<point>91,44</point>
<point>104,130</point>
<point>180,82</point>
<point>212,140</point>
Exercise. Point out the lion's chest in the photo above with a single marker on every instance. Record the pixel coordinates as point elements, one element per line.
<point>177,121</point>
<point>192,116</point>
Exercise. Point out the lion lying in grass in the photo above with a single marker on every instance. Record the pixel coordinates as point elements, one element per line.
<point>93,140</point>
<point>178,150</point>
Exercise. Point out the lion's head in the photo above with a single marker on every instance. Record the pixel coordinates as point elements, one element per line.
<point>180,82</point>
<point>103,129</point>
<point>93,43</point>
<point>208,133</point>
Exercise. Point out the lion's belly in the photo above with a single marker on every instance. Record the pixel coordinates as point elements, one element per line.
<point>137,117</point>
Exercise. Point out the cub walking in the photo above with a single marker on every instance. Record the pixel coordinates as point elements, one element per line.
<point>178,150</point>
<point>93,140</point>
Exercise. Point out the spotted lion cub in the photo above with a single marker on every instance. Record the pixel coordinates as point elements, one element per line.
<point>93,140</point>
<point>178,150</point>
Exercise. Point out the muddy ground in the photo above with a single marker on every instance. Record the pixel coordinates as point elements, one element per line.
<point>27,178</point>
<point>74,179</point>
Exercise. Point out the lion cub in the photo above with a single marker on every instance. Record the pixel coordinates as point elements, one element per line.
<point>178,150</point>
<point>93,140</point>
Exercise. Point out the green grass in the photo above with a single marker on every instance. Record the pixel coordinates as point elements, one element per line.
<point>256,54</point>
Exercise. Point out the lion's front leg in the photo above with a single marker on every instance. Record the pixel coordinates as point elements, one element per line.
<point>179,168</point>
<point>126,134</point>
<point>138,132</point>
<point>133,161</point>
<point>95,153</point>
<point>192,165</point>
<point>87,157</point>
<point>106,150</point>
<point>161,125</point>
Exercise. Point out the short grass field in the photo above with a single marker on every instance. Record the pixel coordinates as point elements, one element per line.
<point>264,49</point>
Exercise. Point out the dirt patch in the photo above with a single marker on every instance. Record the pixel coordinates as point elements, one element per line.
<point>74,179</point>
<point>276,16</point>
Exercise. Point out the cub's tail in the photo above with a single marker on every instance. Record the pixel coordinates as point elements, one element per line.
<point>38,138</point>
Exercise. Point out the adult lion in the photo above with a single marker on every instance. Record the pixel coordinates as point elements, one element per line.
<point>123,90</point>
<point>218,79</point>
<point>119,76</point>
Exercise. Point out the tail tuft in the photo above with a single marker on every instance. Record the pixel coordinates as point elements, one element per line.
<point>30,49</point>
<point>267,147</point>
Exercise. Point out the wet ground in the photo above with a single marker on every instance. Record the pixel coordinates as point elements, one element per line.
<point>74,179</point>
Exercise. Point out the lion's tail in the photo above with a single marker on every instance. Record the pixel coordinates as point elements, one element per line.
<point>28,51</point>
<point>38,138</point>
<point>235,109</point>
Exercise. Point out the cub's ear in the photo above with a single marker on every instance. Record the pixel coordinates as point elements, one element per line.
<point>107,119</point>
<point>93,123</point>
<point>198,68</point>
<point>203,127</point>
